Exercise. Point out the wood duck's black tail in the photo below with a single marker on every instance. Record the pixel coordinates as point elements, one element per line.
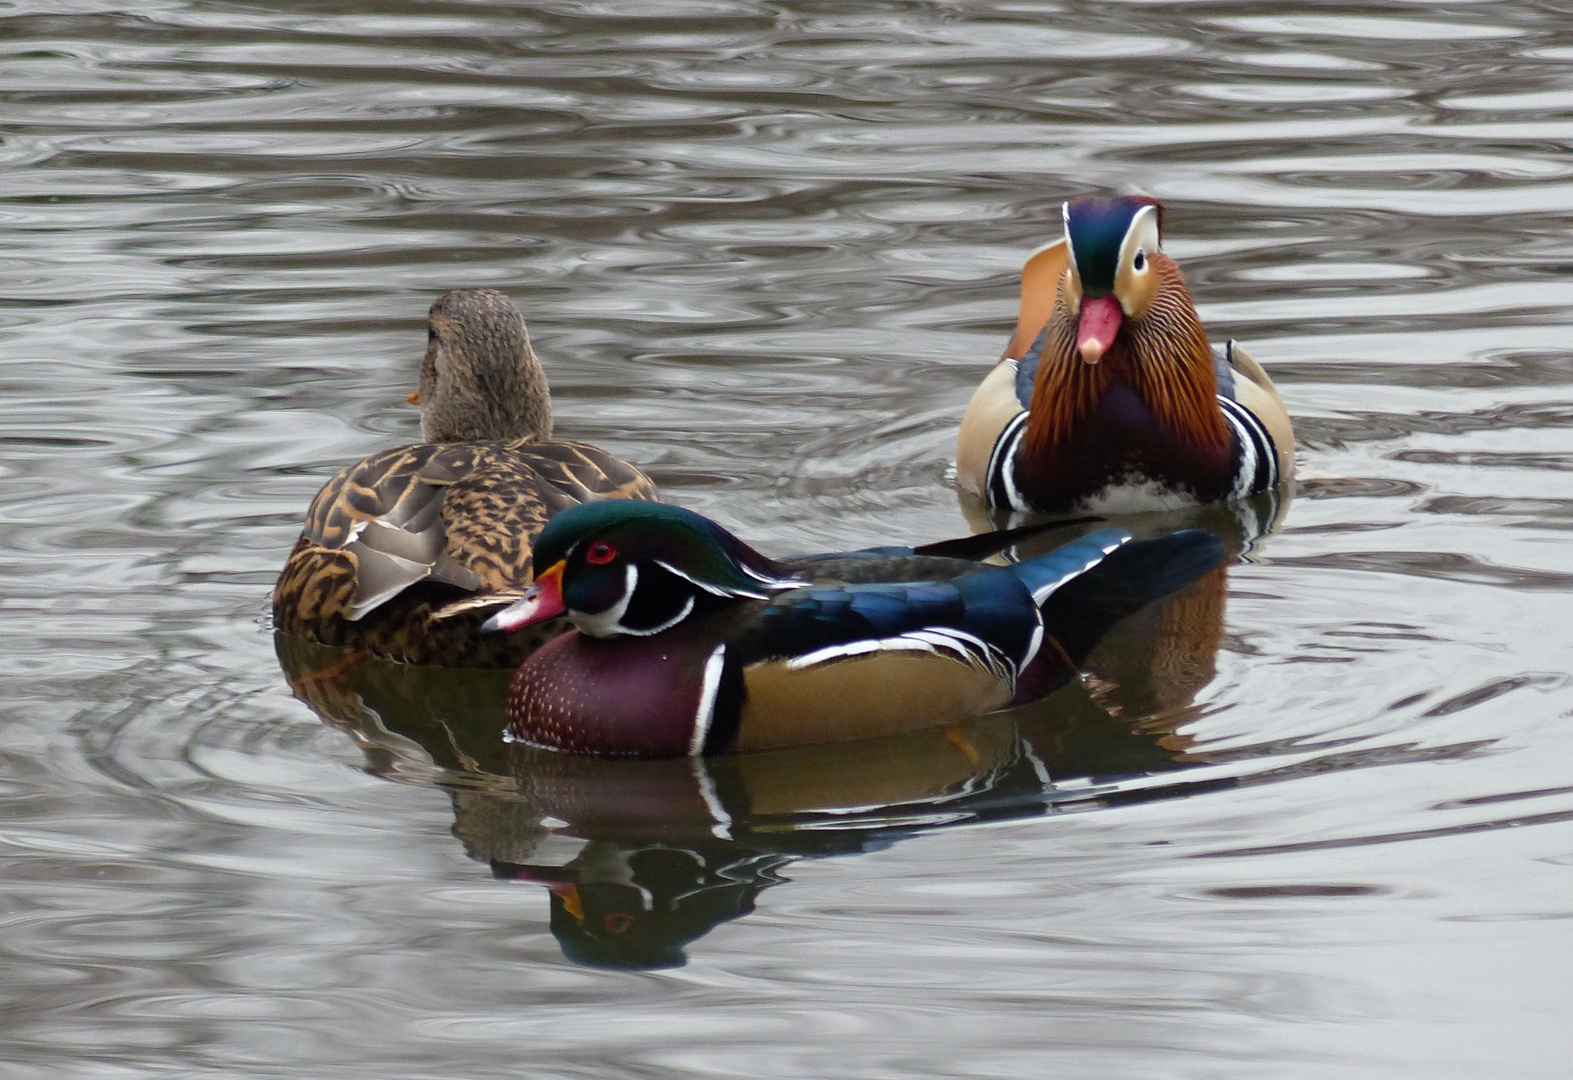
<point>1078,613</point>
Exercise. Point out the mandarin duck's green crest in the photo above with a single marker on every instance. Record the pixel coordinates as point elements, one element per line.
<point>623,567</point>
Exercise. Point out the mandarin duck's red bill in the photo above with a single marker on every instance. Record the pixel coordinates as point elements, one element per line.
<point>688,641</point>
<point>1109,398</point>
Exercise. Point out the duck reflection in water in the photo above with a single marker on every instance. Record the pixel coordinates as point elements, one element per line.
<point>641,858</point>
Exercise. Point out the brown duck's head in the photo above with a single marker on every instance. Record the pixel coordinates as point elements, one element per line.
<point>479,378</point>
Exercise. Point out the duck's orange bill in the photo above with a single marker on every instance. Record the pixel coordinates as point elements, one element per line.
<point>1100,322</point>
<point>543,601</point>
<point>569,894</point>
<point>414,398</point>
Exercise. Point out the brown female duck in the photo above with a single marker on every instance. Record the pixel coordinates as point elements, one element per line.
<point>394,538</point>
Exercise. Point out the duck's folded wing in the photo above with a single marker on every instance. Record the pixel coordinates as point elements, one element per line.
<point>386,511</point>
<point>1253,389</point>
<point>583,472</point>
<point>826,663</point>
<point>968,622</point>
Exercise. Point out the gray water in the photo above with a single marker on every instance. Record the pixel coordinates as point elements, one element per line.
<point>767,251</point>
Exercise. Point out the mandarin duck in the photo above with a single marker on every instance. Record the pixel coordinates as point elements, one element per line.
<point>688,641</point>
<point>392,543</point>
<point>1109,398</point>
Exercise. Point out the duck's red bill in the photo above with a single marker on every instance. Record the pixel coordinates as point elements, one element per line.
<point>1100,322</point>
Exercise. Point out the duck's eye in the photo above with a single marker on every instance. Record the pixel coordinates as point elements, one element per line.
<point>1140,262</point>
<point>600,553</point>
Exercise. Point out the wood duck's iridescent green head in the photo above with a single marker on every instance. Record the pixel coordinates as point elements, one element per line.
<point>1112,273</point>
<point>623,566</point>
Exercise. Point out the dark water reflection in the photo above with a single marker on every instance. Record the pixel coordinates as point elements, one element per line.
<point>767,251</point>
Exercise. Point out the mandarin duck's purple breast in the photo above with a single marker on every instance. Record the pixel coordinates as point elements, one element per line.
<point>626,696</point>
<point>1121,441</point>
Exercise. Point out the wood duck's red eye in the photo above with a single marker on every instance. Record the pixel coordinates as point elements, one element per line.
<point>600,553</point>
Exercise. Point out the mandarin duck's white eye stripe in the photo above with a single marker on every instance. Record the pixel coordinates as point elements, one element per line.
<point>1141,240</point>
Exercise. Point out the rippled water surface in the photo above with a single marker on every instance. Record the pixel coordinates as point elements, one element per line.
<point>767,251</point>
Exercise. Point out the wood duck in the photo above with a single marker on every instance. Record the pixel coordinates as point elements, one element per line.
<point>688,641</point>
<point>394,538</point>
<point>1109,398</point>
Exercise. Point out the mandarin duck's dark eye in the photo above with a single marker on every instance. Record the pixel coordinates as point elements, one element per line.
<point>1141,262</point>
<point>600,553</point>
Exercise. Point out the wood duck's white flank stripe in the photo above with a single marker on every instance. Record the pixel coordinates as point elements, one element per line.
<point>1258,457</point>
<point>852,648</point>
<point>1041,593</point>
<point>1035,645</point>
<point>964,646</point>
<point>1001,472</point>
<point>705,714</point>
<point>968,648</point>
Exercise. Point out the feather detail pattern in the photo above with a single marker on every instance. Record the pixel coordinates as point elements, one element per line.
<point>390,541</point>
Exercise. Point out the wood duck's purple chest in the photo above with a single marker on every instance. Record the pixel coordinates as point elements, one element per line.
<point>625,696</point>
<point>1120,452</point>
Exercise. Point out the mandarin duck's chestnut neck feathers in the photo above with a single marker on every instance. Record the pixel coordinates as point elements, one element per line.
<point>479,378</point>
<point>394,545</point>
<point>1110,396</point>
<point>688,641</point>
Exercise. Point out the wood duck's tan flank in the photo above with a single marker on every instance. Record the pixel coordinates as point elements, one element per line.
<point>393,540</point>
<point>1119,386</point>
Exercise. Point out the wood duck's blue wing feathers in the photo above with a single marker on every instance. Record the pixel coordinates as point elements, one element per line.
<point>970,549</point>
<point>982,621</point>
<point>1083,607</point>
<point>817,558</point>
<point>1048,572</point>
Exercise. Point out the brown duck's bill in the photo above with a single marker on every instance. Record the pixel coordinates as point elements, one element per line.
<point>543,601</point>
<point>414,398</point>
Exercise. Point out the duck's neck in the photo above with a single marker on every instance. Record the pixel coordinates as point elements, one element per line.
<point>1164,358</point>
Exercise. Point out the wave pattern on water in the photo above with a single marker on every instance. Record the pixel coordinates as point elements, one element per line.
<point>767,251</point>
